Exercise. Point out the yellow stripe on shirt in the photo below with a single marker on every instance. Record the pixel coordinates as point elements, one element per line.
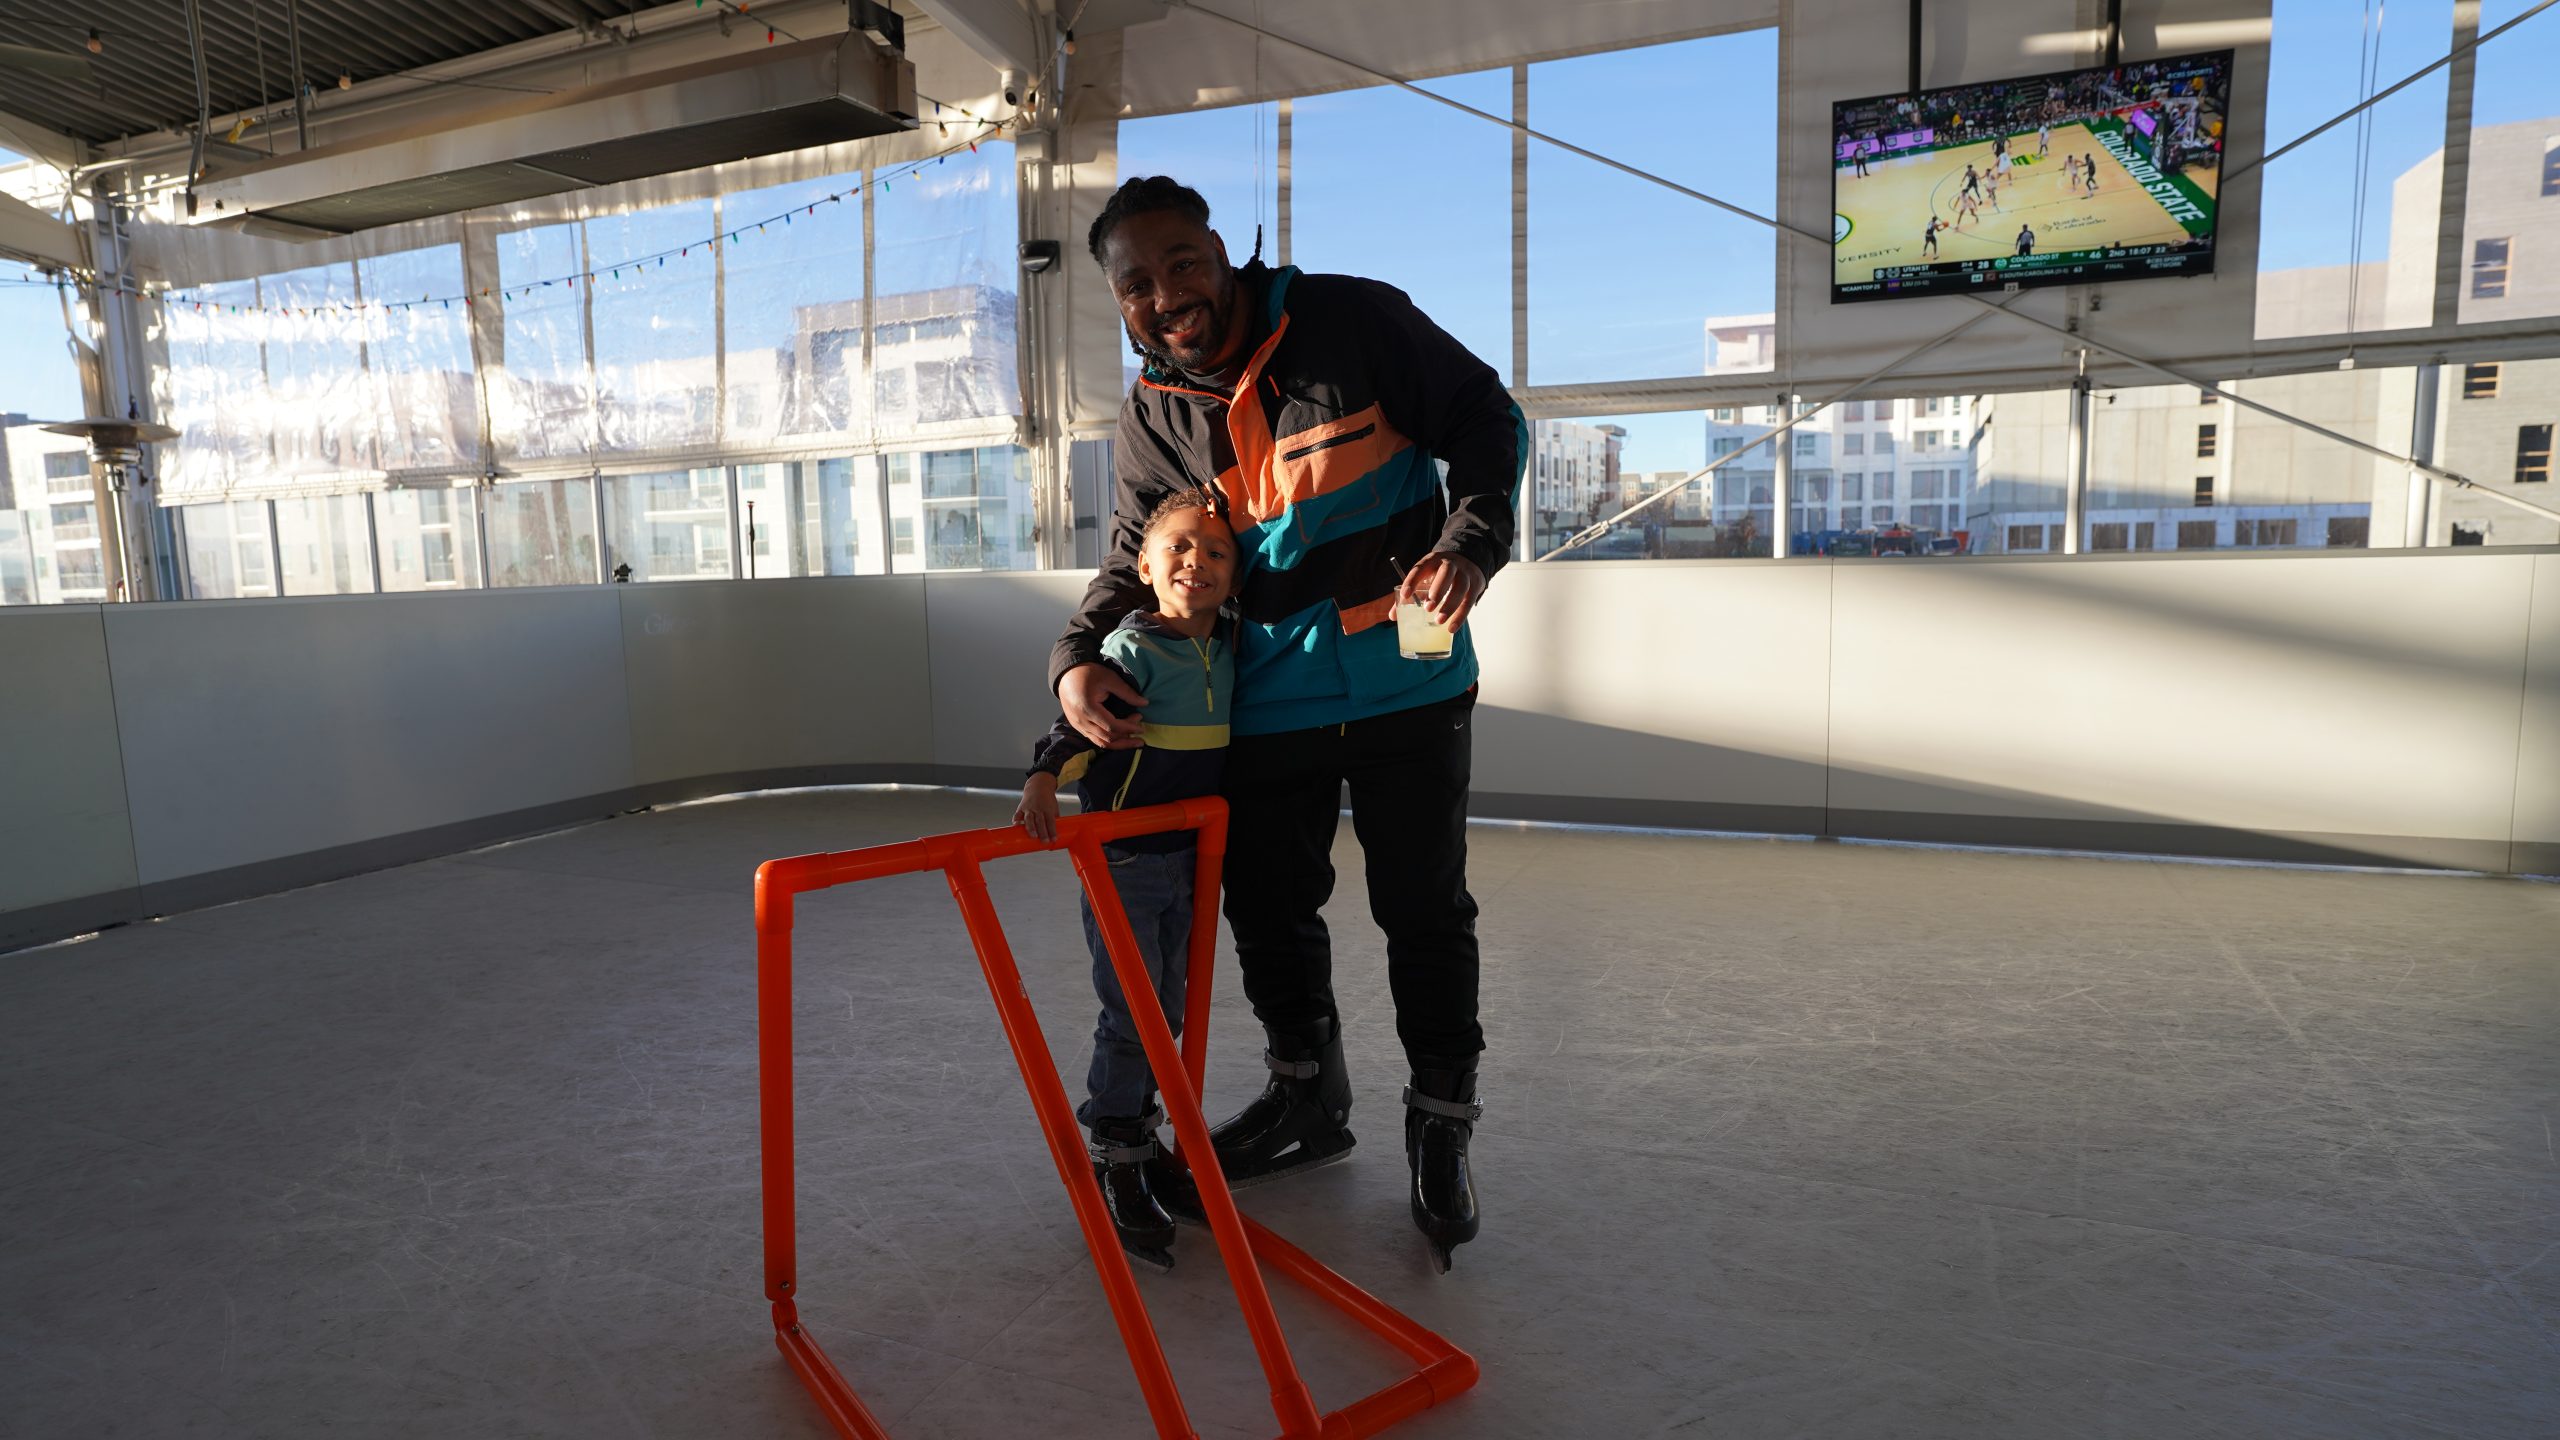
<point>1187,737</point>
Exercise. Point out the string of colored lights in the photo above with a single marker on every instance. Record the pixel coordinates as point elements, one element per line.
<point>91,282</point>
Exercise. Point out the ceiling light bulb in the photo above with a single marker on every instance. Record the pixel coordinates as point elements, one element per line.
<point>97,46</point>
<point>346,81</point>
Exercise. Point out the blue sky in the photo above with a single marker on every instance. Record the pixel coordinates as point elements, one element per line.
<point>40,381</point>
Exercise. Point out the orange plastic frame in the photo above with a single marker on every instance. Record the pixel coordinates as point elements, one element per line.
<point>1445,1371</point>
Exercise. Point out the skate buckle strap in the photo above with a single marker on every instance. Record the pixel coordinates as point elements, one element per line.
<point>1123,1154</point>
<point>1294,1069</point>
<point>1469,1110</point>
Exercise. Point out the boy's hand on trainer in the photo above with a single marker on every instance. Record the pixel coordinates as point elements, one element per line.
<point>1081,696</point>
<point>1038,812</point>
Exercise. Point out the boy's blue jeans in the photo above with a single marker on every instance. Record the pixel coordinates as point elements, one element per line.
<point>1155,891</point>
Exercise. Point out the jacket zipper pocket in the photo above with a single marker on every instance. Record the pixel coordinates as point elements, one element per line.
<point>1363,433</point>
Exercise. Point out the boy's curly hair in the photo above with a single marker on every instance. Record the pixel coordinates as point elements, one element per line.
<point>1198,497</point>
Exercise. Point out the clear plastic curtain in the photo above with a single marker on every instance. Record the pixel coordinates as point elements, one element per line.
<point>657,363</point>
<point>213,391</point>
<point>540,390</point>
<point>792,314</point>
<point>944,320</point>
<point>424,394</point>
<point>314,350</point>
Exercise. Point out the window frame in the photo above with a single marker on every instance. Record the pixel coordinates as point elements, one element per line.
<point>2489,277</point>
<point>2533,454</point>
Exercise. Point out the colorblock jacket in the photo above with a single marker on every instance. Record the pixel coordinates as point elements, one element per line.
<point>1190,687</point>
<point>1329,454</point>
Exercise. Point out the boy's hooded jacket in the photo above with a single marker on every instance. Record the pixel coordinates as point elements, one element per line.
<point>1329,454</point>
<point>1190,687</point>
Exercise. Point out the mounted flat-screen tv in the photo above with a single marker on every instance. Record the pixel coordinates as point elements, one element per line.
<point>2062,179</point>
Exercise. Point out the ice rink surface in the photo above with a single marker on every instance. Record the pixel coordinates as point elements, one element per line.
<point>1780,1138</point>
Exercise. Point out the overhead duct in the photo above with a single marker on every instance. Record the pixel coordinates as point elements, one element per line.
<point>774,99</point>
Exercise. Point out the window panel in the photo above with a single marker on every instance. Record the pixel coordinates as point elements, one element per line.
<point>944,347</point>
<point>656,366</point>
<point>2489,268</point>
<point>542,397</point>
<point>971,507</point>
<point>426,539</point>
<point>2514,170</point>
<point>315,372</point>
<point>19,584</point>
<point>322,545</point>
<point>214,392</point>
<point>1591,227</point>
<point>669,524</point>
<point>1445,237</point>
<point>425,400</point>
<point>812,517</point>
<point>1611,464</point>
<point>227,552</point>
<point>793,314</point>
<point>2533,454</point>
<point>542,532</point>
<point>2325,254</point>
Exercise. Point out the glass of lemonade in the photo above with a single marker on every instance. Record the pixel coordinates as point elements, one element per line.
<point>1418,636</point>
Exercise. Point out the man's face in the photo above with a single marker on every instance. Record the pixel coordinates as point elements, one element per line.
<point>1176,292</point>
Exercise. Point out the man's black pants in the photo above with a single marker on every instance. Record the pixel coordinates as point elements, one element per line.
<point>1408,775</point>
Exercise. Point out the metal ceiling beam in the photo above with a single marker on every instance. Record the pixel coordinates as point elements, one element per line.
<point>1001,31</point>
<point>583,24</point>
<point>31,234</point>
<point>41,142</point>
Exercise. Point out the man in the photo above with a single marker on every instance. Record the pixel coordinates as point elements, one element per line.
<point>1929,239</point>
<point>1317,406</point>
<point>2026,240</point>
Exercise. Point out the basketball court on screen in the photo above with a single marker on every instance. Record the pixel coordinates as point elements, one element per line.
<point>1885,213</point>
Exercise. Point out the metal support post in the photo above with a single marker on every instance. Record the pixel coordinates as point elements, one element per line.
<point>130,517</point>
<point>2419,529</point>
<point>1281,147</point>
<point>275,550</point>
<point>595,504</point>
<point>373,537</point>
<point>737,526</point>
<point>1782,488</point>
<point>2075,495</point>
<point>302,86</point>
<point>480,525</point>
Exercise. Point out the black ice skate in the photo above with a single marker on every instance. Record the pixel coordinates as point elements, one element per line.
<point>1300,1120</point>
<point>1170,1181</point>
<point>1121,1150</point>
<point>1439,1119</point>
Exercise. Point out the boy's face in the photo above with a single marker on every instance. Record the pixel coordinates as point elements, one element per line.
<point>1190,561</point>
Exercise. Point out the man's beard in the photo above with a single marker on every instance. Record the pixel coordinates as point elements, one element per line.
<point>1213,336</point>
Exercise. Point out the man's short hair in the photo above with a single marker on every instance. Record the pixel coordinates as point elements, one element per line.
<point>1144,196</point>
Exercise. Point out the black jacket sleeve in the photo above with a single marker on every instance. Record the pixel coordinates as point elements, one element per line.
<point>1064,742</point>
<point>1144,473</point>
<point>1444,399</point>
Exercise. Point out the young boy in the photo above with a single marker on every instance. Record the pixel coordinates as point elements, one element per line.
<point>1177,657</point>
